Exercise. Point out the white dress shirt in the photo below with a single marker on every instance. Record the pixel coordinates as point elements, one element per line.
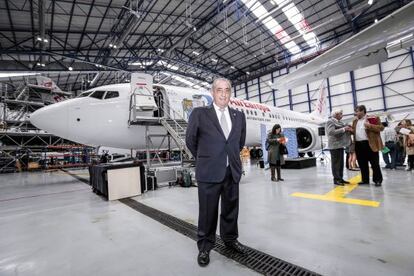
<point>360,133</point>
<point>226,114</point>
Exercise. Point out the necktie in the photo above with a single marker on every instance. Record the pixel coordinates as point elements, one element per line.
<point>223,123</point>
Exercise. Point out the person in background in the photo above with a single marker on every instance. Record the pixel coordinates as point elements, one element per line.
<point>400,148</point>
<point>352,156</point>
<point>389,135</point>
<point>366,131</point>
<point>408,143</point>
<point>338,137</point>
<point>275,156</point>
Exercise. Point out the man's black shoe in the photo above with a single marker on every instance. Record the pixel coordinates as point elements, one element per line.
<point>345,182</point>
<point>378,183</point>
<point>236,246</point>
<point>339,183</point>
<point>203,258</point>
<point>363,183</point>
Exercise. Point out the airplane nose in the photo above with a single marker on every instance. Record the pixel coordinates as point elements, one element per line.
<point>52,118</point>
<point>39,119</point>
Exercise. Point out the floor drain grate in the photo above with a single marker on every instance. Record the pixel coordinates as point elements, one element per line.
<point>256,260</point>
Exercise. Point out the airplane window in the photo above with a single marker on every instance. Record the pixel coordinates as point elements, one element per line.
<point>98,95</point>
<point>85,94</point>
<point>255,113</point>
<point>111,94</point>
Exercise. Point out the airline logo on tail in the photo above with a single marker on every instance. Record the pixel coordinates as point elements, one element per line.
<point>48,83</point>
<point>320,110</point>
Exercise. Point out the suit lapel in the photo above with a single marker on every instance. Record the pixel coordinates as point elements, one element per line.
<point>213,117</point>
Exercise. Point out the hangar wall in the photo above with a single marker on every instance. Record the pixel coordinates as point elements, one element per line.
<point>381,87</point>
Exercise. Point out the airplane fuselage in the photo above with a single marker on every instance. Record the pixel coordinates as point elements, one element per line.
<point>104,121</point>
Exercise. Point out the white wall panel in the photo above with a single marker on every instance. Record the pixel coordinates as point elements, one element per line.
<point>341,100</point>
<point>400,87</point>
<point>254,99</point>
<point>315,85</point>
<point>282,101</point>
<point>300,98</point>
<point>303,107</point>
<point>396,101</point>
<point>282,93</point>
<point>394,63</point>
<point>367,82</point>
<point>340,88</point>
<point>399,74</point>
<point>346,105</point>
<point>367,85</point>
<point>369,94</point>
<point>241,95</point>
<point>372,104</point>
<point>338,79</point>
<point>366,71</point>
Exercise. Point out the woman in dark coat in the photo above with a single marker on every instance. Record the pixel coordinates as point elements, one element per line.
<point>275,157</point>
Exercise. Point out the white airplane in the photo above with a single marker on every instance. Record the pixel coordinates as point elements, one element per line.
<point>368,47</point>
<point>100,116</point>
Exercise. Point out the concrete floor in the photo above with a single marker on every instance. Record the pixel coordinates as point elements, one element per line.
<point>51,224</point>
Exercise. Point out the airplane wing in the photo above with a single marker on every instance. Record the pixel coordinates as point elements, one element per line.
<point>370,46</point>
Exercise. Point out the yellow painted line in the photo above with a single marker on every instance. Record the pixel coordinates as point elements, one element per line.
<point>338,194</point>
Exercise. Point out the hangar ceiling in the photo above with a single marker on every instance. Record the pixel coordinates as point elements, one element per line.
<point>82,44</point>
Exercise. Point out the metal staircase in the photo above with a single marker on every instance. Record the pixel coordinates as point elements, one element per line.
<point>176,126</point>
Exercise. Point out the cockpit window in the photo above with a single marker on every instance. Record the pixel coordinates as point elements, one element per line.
<point>98,94</point>
<point>111,94</point>
<point>85,94</point>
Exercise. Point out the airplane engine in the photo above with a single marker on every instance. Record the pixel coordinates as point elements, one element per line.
<point>307,139</point>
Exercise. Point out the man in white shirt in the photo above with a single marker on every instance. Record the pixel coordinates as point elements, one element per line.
<point>368,143</point>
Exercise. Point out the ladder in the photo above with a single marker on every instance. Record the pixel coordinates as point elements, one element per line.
<point>176,126</point>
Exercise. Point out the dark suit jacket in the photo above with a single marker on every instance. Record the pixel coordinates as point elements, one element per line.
<point>207,143</point>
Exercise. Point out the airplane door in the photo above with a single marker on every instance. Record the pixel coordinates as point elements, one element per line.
<point>159,101</point>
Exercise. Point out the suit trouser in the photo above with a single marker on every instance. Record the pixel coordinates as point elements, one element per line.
<point>208,198</point>
<point>393,153</point>
<point>364,155</point>
<point>337,164</point>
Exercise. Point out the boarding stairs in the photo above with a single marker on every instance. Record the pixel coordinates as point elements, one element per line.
<point>176,126</point>
<point>142,107</point>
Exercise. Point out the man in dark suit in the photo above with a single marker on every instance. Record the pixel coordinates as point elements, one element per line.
<point>215,136</point>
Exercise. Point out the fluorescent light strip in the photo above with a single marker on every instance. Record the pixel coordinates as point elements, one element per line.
<point>296,18</point>
<point>11,75</point>
<point>270,23</point>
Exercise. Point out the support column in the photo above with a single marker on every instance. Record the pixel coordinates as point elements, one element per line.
<point>382,87</point>
<point>354,95</point>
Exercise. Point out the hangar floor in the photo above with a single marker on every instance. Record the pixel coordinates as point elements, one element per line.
<point>52,224</point>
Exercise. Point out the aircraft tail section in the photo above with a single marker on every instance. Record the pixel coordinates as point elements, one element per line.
<point>320,107</point>
<point>48,83</point>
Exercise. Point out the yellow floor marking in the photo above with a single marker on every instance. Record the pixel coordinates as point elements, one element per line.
<point>338,194</point>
